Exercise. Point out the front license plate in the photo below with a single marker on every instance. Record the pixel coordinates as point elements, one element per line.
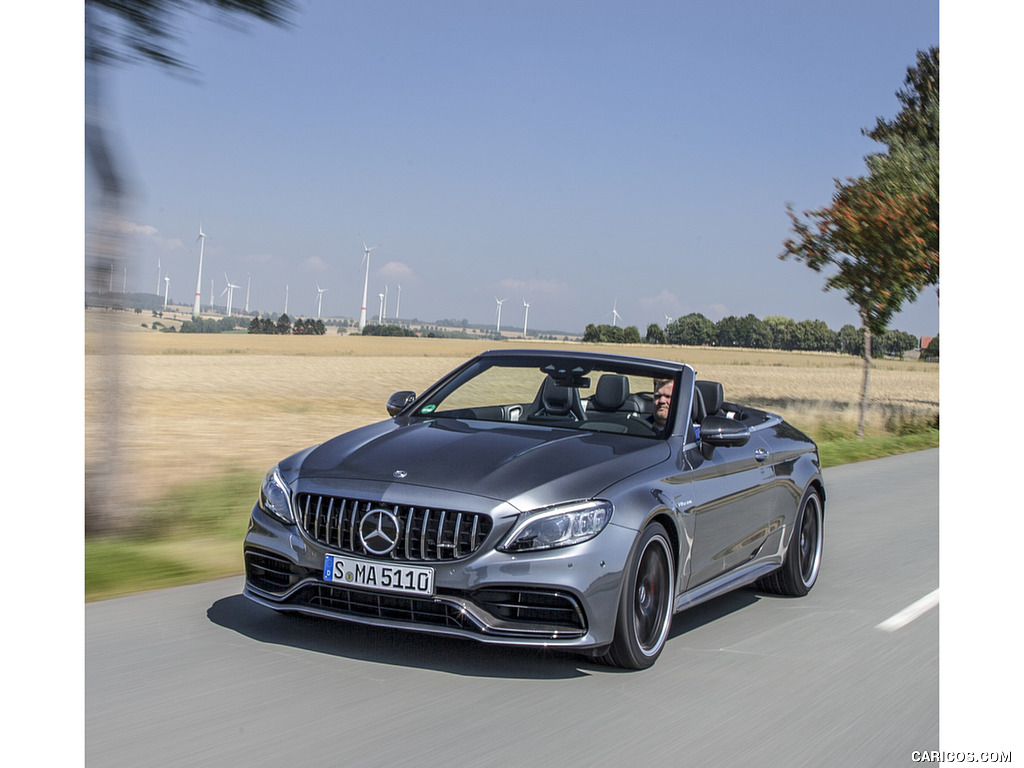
<point>406,579</point>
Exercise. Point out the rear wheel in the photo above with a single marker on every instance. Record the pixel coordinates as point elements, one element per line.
<point>645,607</point>
<point>799,572</point>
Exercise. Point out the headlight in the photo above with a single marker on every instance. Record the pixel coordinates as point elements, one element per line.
<point>274,497</point>
<point>560,526</point>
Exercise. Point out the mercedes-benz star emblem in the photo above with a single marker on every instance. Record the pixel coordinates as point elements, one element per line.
<point>399,473</point>
<point>378,530</point>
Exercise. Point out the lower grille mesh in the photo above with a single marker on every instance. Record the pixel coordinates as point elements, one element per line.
<point>515,612</point>
<point>373,605</point>
<point>517,605</point>
<point>268,572</point>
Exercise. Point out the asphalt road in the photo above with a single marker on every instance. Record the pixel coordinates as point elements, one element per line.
<point>199,676</point>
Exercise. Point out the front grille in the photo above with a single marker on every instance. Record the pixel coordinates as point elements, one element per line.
<point>424,534</point>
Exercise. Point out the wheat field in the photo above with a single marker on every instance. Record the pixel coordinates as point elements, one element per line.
<point>183,407</point>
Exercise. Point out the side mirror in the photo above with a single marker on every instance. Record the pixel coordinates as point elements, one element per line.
<point>720,432</point>
<point>398,401</point>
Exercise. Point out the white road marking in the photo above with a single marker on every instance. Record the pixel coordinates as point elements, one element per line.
<point>911,612</point>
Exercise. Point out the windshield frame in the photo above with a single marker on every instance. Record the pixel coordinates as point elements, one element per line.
<point>563,366</point>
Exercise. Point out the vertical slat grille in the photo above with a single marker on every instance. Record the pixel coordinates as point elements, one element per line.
<point>424,534</point>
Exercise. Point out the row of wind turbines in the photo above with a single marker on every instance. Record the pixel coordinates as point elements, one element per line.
<point>366,287</point>
<point>616,317</point>
<point>526,316</point>
<point>230,289</point>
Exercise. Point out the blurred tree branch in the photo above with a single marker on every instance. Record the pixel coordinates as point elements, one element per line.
<point>134,31</point>
<point>122,32</point>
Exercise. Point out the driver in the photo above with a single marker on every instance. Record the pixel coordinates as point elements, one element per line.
<point>662,404</point>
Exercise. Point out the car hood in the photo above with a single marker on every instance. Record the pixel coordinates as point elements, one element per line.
<point>527,466</point>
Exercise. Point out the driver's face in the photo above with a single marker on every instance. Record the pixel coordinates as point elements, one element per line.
<point>662,402</point>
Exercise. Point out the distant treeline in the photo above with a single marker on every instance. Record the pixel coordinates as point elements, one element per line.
<point>283,326</point>
<point>209,325</point>
<point>774,332</point>
<point>387,330</point>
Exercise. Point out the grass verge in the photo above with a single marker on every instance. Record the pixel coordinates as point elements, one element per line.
<point>195,534</point>
<point>849,450</point>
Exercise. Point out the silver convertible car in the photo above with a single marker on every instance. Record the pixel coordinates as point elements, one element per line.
<point>542,498</point>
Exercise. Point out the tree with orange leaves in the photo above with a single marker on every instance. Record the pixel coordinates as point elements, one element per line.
<point>881,232</point>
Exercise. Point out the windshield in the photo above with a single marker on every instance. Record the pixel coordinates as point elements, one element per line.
<point>567,394</point>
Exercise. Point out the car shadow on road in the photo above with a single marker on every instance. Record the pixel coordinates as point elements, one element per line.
<point>711,611</point>
<point>444,654</point>
<point>393,646</point>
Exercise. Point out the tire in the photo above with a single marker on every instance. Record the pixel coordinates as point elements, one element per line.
<point>799,571</point>
<point>645,607</point>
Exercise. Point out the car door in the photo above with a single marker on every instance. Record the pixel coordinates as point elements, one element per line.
<point>734,506</point>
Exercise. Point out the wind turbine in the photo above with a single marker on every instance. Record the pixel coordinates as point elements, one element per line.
<point>230,292</point>
<point>319,299</point>
<point>248,285</point>
<point>615,313</point>
<point>398,304</point>
<point>157,275</point>
<point>167,286</point>
<point>526,316</point>
<point>380,317</point>
<point>497,329</point>
<point>199,279</point>
<point>366,282</point>
<point>286,299</point>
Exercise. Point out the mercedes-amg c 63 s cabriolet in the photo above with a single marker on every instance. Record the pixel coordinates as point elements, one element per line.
<point>542,498</point>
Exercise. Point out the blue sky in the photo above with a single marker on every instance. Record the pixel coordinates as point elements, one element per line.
<point>573,155</point>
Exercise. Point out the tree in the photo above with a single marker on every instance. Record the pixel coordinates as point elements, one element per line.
<point>655,335</point>
<point>692,330</point>
<point>910,164</point>
<point>783,330</point>
<point>754,334</point>
<point>895,343</point>
<point>851,340</point>
<point>728,332</point>
<point>611,334</point>
<point>123,32</point>
<point>141,31</point>
<point>815,336</point>
<point>881,231</point>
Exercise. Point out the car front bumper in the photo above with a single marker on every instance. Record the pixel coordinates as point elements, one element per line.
<point>564,597</point>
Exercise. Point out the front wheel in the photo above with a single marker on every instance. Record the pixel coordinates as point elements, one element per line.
<point>799,572</point>
<point>645,607</point>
